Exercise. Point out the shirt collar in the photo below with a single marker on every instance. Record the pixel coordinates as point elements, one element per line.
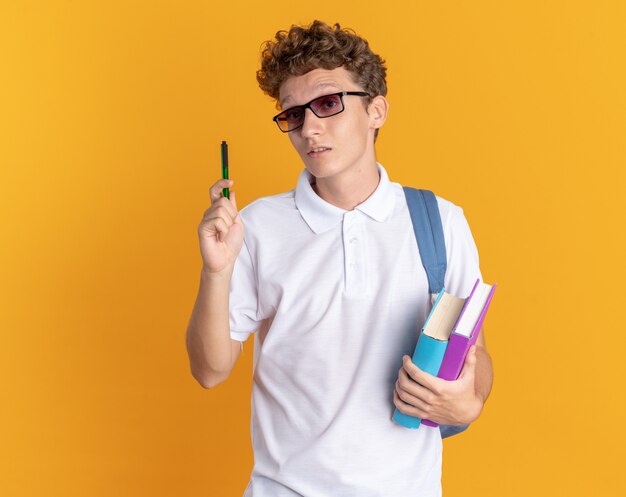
<point>321,215</point>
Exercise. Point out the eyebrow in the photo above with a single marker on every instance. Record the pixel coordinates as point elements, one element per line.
<point>319,86</point>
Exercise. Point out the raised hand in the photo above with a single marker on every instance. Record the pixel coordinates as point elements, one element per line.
<point>220,231</point>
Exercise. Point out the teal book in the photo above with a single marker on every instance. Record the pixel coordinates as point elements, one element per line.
<point>432,343</point>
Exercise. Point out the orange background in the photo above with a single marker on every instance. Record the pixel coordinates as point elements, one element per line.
<point>112,115</point>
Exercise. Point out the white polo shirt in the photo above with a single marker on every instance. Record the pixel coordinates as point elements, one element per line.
<point>336,298</point>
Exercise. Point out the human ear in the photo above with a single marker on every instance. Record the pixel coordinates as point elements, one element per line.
<point>378,109</point>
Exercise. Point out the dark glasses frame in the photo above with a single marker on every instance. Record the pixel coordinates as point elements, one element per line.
<point>306,106</point>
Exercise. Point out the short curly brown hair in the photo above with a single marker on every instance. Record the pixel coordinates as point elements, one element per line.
<point>319,46</point>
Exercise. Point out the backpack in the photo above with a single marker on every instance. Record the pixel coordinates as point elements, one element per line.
<point>428,230</point>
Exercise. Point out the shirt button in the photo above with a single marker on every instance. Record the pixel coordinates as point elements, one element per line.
<point>352,240</point>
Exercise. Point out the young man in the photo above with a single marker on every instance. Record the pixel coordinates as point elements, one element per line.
<point>329,277</point>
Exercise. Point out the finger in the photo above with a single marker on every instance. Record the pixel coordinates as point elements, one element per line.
<point>216,228</point>
<point>416,374</point>
<point>407,396</point>
<point>233,200</point>
<point>215,191</point>
<point>408,408</point>
<point>402,405</point>
<point>408,385</point>
<point>213,214</point>
<point>224,208</point>
<point>222,216</point>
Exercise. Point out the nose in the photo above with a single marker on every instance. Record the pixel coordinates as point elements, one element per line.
<point>312,124</point>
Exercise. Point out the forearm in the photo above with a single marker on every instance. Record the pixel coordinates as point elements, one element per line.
<point>208,332</point>
<point>483,378</point>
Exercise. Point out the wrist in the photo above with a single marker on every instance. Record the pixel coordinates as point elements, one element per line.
<point>217,276</point>
<point>474,409</point>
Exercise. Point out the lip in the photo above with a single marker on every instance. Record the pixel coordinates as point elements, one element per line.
<point>312,154</point>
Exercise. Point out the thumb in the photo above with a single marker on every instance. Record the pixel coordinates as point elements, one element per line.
<point>470,363</point>
<point>233,199</point>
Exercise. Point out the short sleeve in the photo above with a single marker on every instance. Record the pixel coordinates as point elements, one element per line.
<point>243,297</point>
<point>463,266</point>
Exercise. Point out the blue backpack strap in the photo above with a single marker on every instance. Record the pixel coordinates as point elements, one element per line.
<point>431,243</point>
<point>429,234</point>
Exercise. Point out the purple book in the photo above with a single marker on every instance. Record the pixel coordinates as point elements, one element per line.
<point>459,344</point>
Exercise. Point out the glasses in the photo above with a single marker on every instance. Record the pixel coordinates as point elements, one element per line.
<point>324,106</point>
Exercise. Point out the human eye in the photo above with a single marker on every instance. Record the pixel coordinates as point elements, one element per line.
<point>327,104</point>
<point>330,102</point>
<point>294,114</point>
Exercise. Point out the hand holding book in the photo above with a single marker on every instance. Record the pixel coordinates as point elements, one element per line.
<point>452,327</point>
<point>422,395</point>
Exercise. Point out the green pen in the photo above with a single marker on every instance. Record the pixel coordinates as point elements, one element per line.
<point>225,191</point>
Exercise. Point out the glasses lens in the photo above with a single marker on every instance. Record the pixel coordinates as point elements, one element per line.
<point>290,119</point>
<point>326,106</point>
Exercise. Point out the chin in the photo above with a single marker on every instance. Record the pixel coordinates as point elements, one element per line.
<point>318,171</point>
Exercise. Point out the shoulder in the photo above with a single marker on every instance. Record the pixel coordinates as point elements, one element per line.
<point>266,209</point>
<point>269,220</point>
<point>449,212</point>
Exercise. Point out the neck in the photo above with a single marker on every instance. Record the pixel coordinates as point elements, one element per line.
<point>350,189</point>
